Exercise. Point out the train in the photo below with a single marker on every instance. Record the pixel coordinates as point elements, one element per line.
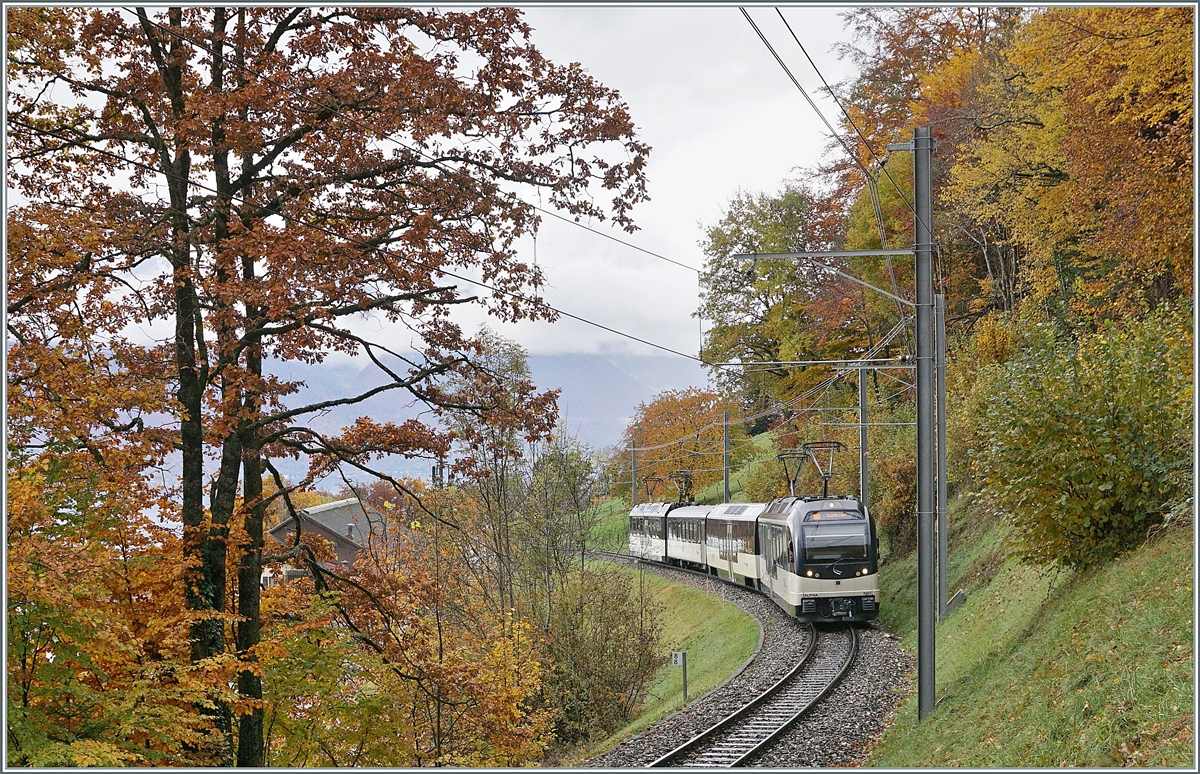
<point>817,557</point>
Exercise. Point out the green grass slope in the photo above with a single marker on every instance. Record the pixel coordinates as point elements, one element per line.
<point>1042,669</point>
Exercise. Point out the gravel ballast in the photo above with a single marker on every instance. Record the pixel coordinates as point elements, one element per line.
<point>838,732</point>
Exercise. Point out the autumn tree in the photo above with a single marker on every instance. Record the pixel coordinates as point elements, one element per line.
<point>455,679</point>
<point>98,669</point>
<point>521,510</point>
<point>604,638</point>
<point>761,310</point>
<point>772,315</point>
<point>1083,166</point>
<point>493,453</point>
<point>249,182</point>
<point>895,49</point>
<point>923,67</point>
<point>679,433</point>
<point>1062,137</point>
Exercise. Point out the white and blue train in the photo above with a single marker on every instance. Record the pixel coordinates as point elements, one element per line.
<point>816,557</point>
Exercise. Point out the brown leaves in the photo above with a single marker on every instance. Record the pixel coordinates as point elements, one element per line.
<point>1129,80</point>
<point>212,188</point>
<point>681,431</point>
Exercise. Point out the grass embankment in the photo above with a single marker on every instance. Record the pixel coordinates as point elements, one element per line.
<point>717,635</point>
<point>611,531</point>
<point>1037,668</point>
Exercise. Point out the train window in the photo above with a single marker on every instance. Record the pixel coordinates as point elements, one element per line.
<point>833,516</point>
<point>829,542</point>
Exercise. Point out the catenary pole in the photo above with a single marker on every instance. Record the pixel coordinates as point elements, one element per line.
<point>923,247</point>
<point>943,515</point>
<point>862,437</point>
<point>633,473</point>
<point>725,453</point>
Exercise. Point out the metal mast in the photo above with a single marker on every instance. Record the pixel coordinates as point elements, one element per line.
<point>725,454</point>
<point>943,523</point>
<point>926,589</point>
<point>862,437</point>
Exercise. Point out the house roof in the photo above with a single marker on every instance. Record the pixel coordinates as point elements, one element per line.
<point>347,519</point>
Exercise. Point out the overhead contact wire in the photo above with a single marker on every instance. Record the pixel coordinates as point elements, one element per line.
<point>330,232</point>
<point>386,136</point>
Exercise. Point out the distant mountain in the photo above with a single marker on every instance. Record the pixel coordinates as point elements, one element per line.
<point>599,395</point>
<point>601,392</point>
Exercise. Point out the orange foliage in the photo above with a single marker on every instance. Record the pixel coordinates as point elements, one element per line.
<point>680,432</point>
<point>207,189</point>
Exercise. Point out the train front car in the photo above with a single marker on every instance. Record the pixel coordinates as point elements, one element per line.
<point>820,558</point>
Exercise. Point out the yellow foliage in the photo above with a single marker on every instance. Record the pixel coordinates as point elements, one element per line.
<point>994,341</point>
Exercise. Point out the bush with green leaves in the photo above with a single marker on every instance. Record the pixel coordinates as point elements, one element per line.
<point>893,494</point>
<point>1088,444</point>
<point>604,646</point>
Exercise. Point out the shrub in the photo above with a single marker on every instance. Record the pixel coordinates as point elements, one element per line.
<point>1087,445</point>
<point>893,466</point>
<point>893,501</point>
<point>765,481</point>
<point>604,645</point>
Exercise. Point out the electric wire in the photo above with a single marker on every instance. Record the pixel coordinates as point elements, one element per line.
<point>391,137</point>
<point>537,303</point>
<point>804,92</point>
<point>846,113</point>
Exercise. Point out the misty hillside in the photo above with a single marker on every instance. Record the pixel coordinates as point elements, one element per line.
<point>599,394</point>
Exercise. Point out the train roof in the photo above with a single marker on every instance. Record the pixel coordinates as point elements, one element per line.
<point>737,511</point>
<point>689,512</point>
<point>782,506</point>
<point>653,509</point>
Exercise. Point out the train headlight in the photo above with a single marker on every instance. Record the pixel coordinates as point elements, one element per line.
<point>809,573</point>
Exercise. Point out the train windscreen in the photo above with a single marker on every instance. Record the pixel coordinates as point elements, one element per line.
<point>833,535</point>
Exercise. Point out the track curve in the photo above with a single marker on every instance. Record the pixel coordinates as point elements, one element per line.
<point>739,737</point>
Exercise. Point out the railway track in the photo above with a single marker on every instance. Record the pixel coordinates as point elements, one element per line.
<point>750,730</point>
<point>747,732</point>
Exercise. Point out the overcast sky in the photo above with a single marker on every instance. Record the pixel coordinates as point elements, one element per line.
<point>720,114</point>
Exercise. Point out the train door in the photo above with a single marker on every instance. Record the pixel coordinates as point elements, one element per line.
<point>730,547</point>
<point>770,549</point>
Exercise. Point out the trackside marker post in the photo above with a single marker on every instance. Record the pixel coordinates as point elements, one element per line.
<point>679,658</point>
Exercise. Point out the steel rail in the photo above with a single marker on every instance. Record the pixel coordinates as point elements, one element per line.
<point>739,737</point>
